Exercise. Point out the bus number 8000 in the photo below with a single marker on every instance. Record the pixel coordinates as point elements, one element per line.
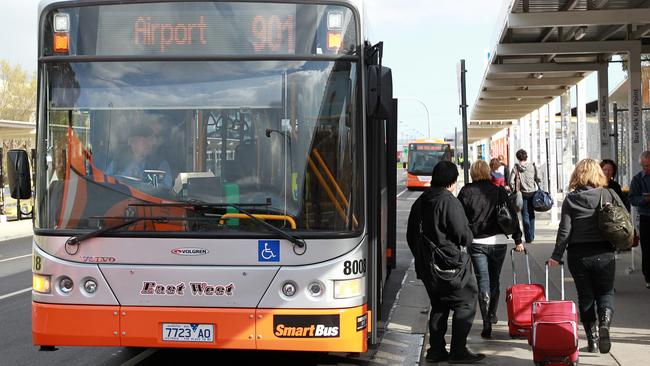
<point>354,267</point>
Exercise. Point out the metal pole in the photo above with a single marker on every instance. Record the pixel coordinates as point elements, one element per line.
<point>456,145</point>
<point>615,134</point>
<point>463,107</point>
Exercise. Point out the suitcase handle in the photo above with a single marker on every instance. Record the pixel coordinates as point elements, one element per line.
<point>514,272</point>
<point>546,280</point>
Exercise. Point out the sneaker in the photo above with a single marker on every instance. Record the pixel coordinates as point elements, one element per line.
<point>467,357</point>
<point>647,285</point>
<point>436,357</point>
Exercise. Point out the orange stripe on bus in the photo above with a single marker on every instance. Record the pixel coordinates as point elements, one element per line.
<point>240,328</point>
<point>75,325</point>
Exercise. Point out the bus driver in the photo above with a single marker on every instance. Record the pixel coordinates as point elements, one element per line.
<point>139,164</point>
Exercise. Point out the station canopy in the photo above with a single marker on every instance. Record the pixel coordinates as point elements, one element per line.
<point>17,129</point>
<point>546,46</point>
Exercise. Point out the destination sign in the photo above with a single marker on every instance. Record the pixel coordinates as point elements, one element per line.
<point>197,28</point>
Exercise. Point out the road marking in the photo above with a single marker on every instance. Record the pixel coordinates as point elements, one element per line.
<point>15,293</point>
<point>402,192</point>
<point>140,357</point>
<point>18,257</point>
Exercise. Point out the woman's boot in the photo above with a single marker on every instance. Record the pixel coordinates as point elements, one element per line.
<point>592,336</point>
<point>484,305</point>
<point>605,320</point>
<point>494,304</point>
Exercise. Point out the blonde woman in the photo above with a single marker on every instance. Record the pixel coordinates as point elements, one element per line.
<point>589,255</point>
<point>488,250</point>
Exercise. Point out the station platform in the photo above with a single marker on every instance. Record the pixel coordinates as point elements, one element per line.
<point>631,324</point>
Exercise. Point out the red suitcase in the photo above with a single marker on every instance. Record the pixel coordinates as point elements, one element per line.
<point>554,334</point>
<point>519,301</point>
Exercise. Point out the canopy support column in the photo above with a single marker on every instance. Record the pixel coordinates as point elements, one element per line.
<point>534,141</point>
<point>567,139</point>
<point>606,151</point>
<point>552,158</point>
<point>581,91</point>
<point>635,129</point>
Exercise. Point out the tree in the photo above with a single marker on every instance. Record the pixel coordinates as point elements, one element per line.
<point>17,93</point>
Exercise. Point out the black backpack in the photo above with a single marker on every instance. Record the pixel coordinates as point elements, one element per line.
<point>615,223</point>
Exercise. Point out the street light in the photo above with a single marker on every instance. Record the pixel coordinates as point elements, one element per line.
<point>425,108</point>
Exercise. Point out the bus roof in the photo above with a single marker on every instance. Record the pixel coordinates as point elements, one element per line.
<point>358,4</point>
<point>428,141</point>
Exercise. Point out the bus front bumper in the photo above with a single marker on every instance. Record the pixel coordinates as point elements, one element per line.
<point>324,330</point>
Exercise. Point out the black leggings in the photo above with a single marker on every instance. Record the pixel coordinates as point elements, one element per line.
<point>594,279</point>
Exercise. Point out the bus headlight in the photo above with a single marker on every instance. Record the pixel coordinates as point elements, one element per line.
<point>289,289</point>
<point>41,283</point>
<point>90,286</point>
<point>65,284</point>
<point>344,289</point>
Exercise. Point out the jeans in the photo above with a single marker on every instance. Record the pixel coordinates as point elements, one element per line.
<point>463,303</point>
<point>487,261</point>
<point>528,218</point>
<point>594,280</point>
<point>644,227</point>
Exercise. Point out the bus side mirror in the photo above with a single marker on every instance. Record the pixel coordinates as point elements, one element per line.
<point>19,174</point>
<point>372,86</point>
<point>380,92</point>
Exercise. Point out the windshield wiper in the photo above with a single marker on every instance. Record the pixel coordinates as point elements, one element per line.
<point>75,240</point>
<point>297,241</point>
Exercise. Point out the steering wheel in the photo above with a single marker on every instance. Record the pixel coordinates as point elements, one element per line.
<point>128,178</point>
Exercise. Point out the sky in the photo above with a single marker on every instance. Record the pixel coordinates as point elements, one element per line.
<point>423,42</point>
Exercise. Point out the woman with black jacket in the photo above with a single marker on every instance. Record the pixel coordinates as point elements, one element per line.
<point>590,256</point>
<point>610,169</point>
<point>489,247</point>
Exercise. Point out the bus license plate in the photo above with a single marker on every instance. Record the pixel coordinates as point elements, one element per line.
<point>425,178</point>
<point>175,332</point>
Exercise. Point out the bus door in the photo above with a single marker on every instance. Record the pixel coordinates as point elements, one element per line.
<point>381,135</point>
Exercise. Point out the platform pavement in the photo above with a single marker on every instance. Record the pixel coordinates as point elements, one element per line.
<point>15,229</point>
<point>631,324</point>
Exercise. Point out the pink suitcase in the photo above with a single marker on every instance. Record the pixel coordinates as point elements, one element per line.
<point>519,301</point>
<point>554,333</point>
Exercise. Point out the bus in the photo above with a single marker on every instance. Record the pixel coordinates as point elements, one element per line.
<point>211,174</point>
<point>423,155</point>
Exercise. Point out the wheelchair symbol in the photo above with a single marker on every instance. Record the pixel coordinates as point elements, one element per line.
<point>268,251</point>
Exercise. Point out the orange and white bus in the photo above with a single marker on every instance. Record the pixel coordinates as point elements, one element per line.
<point>210,174</point>
<point>423,155</point>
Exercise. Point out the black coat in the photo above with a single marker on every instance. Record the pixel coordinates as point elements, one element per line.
<point>617,188</point>
<point>479,199</point>
<point>443,222</point>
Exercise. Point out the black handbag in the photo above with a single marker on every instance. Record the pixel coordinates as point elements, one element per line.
<point>505,213</point>
<point>448,267</point>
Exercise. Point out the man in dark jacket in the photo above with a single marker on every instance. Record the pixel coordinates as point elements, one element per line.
<point>442,220</point>
<point>640,198</point>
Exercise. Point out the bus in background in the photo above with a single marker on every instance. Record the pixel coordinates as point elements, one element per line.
<point>211,174</point>
<point>423,155</point>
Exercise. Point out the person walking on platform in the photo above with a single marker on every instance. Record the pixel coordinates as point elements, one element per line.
<point>589,255</point>
<point>640,198</point>
<point>503,168</point>
<point>496,177</point>
<point>488,250</point>
<point>610,169</point>
<point>438,234</point>
<point>523,180</point>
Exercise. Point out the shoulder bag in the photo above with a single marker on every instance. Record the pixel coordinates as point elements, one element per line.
<point>516,199</point>
<point>615,223</point>
<point>448,269</point>
<point>505,214</point>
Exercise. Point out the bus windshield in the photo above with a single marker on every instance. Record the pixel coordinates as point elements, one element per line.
<point>281,139</point>
<point>423,157</point>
